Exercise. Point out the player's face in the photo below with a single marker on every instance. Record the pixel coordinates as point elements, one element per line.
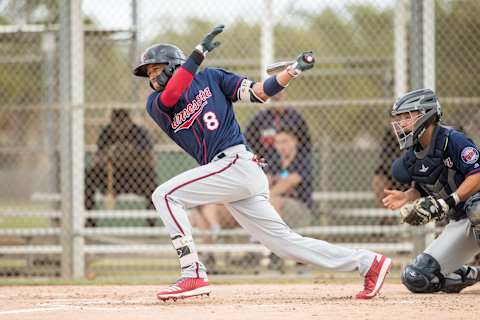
<point>153,71</point>
<point>285,144</point>
<point>406,120</point>
<point>403,125</point>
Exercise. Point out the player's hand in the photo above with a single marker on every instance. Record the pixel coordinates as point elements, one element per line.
<point>207,44</point>
<point>304,61</point>
<point>394,199</point>
<point>409,215</point>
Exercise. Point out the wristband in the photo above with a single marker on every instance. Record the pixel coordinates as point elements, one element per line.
<point>271,86</point>
<point>452,200</point>
<point>193,62</point>
<point>197,57</point>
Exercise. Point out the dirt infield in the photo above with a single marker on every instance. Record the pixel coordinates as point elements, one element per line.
<point>231,302</point>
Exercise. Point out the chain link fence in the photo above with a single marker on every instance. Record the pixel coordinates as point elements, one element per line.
<point>75,136</point>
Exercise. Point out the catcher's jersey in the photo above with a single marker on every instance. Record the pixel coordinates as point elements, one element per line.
<point>440,169</point>
<point>202,122</point>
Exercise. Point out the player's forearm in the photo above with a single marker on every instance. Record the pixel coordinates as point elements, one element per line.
<point>468,187</point>
<point>181,79</point>
<point>412,194</point>
<point>282,79</point>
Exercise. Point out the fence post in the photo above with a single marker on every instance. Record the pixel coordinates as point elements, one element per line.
<point>423,73</point>
<point>400,48</point>
<point>266,39</point>
<point>72,137</point>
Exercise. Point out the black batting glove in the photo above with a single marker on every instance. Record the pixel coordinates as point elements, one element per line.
<point>207,44</point>
<point>304,61</point>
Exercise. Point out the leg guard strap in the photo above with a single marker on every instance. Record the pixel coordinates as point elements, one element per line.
<point>458,280</point>
<point>185,248</point>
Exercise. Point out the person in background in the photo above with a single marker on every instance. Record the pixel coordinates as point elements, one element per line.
<point>291,181</point>
<point>123,163</point>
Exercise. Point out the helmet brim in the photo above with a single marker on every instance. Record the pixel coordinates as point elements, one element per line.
<point>141,70</point>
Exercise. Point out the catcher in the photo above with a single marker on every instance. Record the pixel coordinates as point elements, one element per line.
<point>442,165</point>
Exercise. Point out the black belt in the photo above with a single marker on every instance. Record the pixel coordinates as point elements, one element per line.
<point>221,155</point>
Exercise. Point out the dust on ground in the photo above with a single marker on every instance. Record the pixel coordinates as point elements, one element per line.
<point>231,302</point>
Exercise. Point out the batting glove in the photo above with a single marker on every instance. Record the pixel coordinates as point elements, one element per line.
<point>304,61</point>
<point>207,44</point>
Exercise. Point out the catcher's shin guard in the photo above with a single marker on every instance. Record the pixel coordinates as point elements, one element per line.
<point>423,275</point>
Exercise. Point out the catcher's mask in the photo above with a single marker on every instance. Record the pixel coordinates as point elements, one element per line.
<point>162,53</point>
<point>412,114</point>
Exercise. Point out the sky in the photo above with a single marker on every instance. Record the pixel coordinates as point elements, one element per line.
<point>117,13</point>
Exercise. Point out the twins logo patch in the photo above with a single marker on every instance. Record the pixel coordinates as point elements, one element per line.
<point>469,155</point>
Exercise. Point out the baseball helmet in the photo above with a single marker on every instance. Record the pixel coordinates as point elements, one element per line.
<point>426,103</point>
<point>162,53</point>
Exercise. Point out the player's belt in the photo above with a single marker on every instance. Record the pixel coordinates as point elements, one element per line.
<point>229,151</point>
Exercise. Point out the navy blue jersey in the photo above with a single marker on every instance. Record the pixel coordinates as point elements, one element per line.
<point>439,170</point>
<point>202,122</point>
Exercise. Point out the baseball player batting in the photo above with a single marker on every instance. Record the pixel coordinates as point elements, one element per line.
<point>443,165</point>
<point>194,108</point>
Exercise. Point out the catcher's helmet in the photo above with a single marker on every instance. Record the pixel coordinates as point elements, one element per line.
<point>426,103</point>
<point>160,53</point>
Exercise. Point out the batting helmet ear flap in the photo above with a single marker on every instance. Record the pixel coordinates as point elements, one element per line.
<point>163,78</point>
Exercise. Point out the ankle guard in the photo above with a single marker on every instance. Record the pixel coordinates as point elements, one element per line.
<point>458,280</point>
<point>187,254</point>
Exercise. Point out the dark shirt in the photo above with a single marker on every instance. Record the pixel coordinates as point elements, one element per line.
<point>441,168</point>
<point>262,128</point>
<point>202,122</point>
<point>302,165</point>
<point>135,135</point>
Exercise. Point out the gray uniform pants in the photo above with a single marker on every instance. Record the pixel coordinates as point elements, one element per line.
<point>455,246</point>
<point>237,181</point>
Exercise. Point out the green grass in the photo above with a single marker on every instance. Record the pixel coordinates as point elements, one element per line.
<point>24,222</point>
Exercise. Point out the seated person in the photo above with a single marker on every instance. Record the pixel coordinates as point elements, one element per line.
<point>291,181</point>
<point>212,217</point>
<point>382,178</point>
<point>261,130</point>
<point>123,163</point>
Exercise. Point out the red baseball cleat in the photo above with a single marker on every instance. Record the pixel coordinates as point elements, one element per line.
<point>374,278</point>
<point>185,288</point>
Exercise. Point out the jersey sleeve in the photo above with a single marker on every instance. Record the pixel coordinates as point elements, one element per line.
<point>159,113</point>
<point>154,103</point>
<point>400,171</point>
<point>464,154</point>
<point>228,82</point>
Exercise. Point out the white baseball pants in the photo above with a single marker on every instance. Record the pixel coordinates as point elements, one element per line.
<point>237,181</point>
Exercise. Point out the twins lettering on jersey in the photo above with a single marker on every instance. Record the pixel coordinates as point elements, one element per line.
<point>185,118</point>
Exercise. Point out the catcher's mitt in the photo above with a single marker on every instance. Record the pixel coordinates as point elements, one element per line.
<point>423,210</point>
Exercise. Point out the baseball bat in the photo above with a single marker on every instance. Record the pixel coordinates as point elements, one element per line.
<point>281,65</point>
<point>278,66</point>
<point>109,201</point>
